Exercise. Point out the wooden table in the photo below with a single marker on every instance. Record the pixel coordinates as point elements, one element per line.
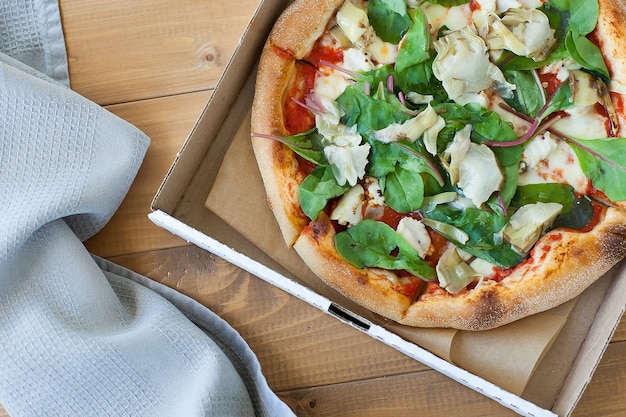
<point>155,63</point>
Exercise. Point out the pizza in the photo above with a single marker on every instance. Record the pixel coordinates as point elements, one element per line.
<point>447,163</point>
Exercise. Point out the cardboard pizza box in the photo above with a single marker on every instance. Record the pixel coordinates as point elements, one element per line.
<point>561,348</point>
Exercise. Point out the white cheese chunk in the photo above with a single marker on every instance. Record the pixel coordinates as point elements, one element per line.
<point>356,60</point>
<point>416,234</point>
<point>584,122</point>
<point>382,53</point>
<point>349,209</point>
<point>330,85</point>
<point>454,18</point>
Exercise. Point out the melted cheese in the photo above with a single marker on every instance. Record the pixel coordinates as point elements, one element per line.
<point>560,165</point>
<point>454,18</point>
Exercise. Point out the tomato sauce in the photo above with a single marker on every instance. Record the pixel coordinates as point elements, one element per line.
<point>326,53</point>
<point>550,83</point>
<point>297,118</point>
<point>410,286</point>
<point>608,124</point>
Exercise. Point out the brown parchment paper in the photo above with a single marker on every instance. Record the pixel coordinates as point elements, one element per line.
<point>506,356</point>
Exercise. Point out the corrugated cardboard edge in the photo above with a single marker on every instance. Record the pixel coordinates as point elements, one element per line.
<point>505,398</point>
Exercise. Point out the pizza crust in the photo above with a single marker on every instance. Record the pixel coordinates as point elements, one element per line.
<point>573,262</point>
<point>551,277</point>
<point>368,287</point>
<point>610,34</point>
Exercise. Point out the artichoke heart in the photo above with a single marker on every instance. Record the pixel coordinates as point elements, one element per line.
<point>352,20</point>
<point>525,32</point>
<point>479,174</point>
<point>453,272</point>
<point>528,223</point>
<point>347,162</point>
<point>409,130</point>
<point>462,65</point>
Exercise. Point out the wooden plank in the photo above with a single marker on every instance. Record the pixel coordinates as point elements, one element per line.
<point>167,121</point>
<point>121,50</point>
<point>605,394</point>
<point>429,393</point>
<point>282,330</point>
<point>426,393</point>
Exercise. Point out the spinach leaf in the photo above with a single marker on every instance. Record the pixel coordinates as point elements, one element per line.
<point>587,54</point>
<point>306,144</point>
<point>403,190</point>
<point>583,15</point>
<point>370,112</point>
<point>573,20</point>
<point>389,18</point>
<point>603,161</point>
<point>579,216</point>
<point>449,2</point>
<point>527,97</point>
<point>415,48</point>
<point>545,193</point>
<point>483,228</point>
<point>374,244</point>
<point>420,78</point>
<point>317,189</point>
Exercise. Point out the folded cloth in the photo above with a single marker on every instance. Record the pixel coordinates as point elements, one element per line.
<point>79,335</point>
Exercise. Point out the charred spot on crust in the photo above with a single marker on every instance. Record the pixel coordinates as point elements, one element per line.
<point>319,230</point>
<point>614,243</point>
<point>489,310</point>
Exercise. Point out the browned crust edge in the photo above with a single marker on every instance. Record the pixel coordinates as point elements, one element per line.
<point>277,164</point>
<point>301,24</point>
<point>574,262</point>
<point>372,290</point>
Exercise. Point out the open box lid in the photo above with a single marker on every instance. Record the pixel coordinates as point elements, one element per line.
<point>179,206</point>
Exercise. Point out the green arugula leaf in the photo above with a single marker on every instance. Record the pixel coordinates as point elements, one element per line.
<point>587,54</point>
<point>403,190</point>
<point>528,98</point>
<point>317,189</point>
<point>306,144</point>
<point>389,18</point>
<point>449,2</point>
<point>373,244</point>
<point>604,165</point>
<point>483,228</point>
<point>415,47</point>
<point>545,193</point>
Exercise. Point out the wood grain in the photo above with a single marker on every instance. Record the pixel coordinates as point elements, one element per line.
<point>121,51</point>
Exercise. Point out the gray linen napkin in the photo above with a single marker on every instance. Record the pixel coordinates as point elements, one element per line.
<point>80,336</point>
